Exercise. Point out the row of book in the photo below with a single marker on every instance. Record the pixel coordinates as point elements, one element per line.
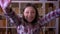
<point>13,31</point>
<point>8,31</point>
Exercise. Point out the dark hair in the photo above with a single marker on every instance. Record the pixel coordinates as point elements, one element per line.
<point>36,16</point>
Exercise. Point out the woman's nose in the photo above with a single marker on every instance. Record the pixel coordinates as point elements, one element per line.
<point>30,14</point>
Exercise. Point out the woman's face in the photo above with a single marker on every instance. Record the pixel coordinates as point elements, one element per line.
<point>29,14</point>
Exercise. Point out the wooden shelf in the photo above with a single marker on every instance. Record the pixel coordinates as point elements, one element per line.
<point>33,1</point>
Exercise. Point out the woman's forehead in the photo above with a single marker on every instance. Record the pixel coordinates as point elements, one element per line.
<point>29,8</point>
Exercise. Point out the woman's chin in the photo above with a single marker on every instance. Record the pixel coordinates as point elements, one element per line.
<point>30,21</point>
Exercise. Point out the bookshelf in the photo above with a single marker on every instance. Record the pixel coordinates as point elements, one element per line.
<point>43,6</point>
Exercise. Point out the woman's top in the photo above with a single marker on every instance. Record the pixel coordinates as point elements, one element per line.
<point>27,28</point>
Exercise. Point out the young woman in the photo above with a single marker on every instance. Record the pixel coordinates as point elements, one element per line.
<point>30,22</point>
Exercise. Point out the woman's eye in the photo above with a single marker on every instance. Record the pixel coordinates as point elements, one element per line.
<point>32,12</point>
<point>27,12</point>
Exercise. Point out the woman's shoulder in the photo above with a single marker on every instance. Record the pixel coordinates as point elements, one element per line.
<point>20,16</point>
<point>39,18</point>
